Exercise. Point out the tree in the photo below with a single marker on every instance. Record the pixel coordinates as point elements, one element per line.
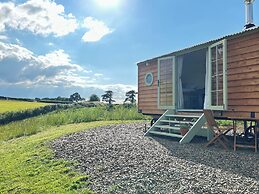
<point>130,96</point>
<point>94,98</point>
<point>107,97</point>
<point>75,97</point>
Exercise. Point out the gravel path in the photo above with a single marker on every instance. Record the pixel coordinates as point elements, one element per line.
<point>120,160</point>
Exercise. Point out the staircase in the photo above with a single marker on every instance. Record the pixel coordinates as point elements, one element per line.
<point>169,124</point>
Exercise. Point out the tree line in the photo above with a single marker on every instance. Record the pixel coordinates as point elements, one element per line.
<point>130,97</point>
<point>106,97</point>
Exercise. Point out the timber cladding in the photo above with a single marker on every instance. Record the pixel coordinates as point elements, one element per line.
<point>242,78</point>
<point>148,95</point>
<point>243,75</point>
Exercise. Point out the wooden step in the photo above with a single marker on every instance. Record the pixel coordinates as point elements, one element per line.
<point>183,116</point>
<point>177,122</point>
<point>165,134</point>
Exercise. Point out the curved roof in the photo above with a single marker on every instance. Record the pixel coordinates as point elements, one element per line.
<point>205,44</point>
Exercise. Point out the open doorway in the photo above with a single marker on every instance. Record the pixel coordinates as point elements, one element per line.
<point>191,72</point>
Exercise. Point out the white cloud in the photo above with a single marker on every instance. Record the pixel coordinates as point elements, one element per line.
<point>52,73</point>
<point>14,51</point>
<point>50,44</point>
<point>98,74</point>
<point>58,58</point>
<point>42,17</point>
<point>30,68</point>
<point>3,37</point>
<point>18,41</point>
<point>96,30</point>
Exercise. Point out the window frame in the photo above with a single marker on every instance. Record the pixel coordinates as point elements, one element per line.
<point>224,71</point>
<point>152,79</point>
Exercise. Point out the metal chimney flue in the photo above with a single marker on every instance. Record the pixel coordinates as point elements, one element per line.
<point>249,14</point>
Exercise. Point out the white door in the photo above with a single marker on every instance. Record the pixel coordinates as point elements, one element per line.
<point>217,82</point>
<point>166,83</point>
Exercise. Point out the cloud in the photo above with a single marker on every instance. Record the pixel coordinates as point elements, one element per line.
<point>51,74</point>
<point>96,30</point>
<point>14,51</point>
<point>58,58</point>
<point>3,37</point>
<point>43,17</point>
<point>51,44</point>
<point>98,74</point>
<point>30,69</point>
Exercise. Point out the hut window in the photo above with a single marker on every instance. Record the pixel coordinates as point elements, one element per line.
<point>149,79</point>
<point>218,75</point>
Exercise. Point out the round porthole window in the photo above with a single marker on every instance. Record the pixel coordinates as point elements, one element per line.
<point>149,79</point>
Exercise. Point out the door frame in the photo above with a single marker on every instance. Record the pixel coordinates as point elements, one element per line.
<point>173,84</point>
<point>205,48</point>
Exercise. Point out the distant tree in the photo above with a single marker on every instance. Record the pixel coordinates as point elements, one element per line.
<point>130,96</point>
<point>75,97</point>
<point>107,97</point>
<point>59,98</point>
<point>94,98</point>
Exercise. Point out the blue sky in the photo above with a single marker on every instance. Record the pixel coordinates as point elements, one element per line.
<point>54,48</point>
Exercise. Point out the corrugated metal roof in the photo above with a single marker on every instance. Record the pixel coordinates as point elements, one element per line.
<point>244,32</point>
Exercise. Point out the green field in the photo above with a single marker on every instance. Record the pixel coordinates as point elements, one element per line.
<point>28,164</point>
<point>14,105</point>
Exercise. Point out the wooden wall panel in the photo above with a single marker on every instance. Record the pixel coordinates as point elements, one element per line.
<point>243,75</point>
<point>243,50</point>
<point>244,64</point>
<point>147,95</point>
<point>239,42</point>
<point>242,57</point>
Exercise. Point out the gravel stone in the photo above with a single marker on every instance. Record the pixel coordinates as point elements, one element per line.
<point>119,159</point>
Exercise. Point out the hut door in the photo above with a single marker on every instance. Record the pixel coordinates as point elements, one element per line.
<point>166,83</point>
<point>217,76</point>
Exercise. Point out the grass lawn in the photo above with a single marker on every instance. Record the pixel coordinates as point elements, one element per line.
<point>13,105</point>
<point>27,164</point>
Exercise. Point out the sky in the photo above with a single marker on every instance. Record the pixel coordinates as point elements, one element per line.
<point>55,48</point>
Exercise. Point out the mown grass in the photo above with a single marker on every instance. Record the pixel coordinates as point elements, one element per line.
<point>75,115</point>
<point>14,105</point>
<point>28,166</point>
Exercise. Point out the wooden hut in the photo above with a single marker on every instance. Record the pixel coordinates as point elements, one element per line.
<point>221,74</point>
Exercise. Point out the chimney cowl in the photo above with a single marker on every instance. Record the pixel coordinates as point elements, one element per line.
<point>249,1</point>
<point>249,14</point>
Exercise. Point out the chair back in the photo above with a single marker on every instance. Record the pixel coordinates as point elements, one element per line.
<point>210,118</point>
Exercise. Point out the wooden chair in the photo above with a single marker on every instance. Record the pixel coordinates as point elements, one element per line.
<point>219,133</point>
